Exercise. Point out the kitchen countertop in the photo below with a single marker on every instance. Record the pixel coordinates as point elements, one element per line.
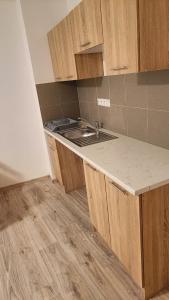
<point>136,166</point>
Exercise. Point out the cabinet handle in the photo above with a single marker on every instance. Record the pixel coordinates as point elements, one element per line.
<point>119,68</point>
<point>91,167</point>
<point>70,76</point>
<point>58,78</point>
<point>85,44</point>
<point>118,187</point>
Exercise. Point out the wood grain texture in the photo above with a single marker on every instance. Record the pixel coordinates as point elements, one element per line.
<point>67,167</point>
<point>155,212</point>
<point>51,43</point>
<point>71,167</point>
<point>125,229</point>
<point>89,65</point>
<point>55,45</point>
<point>67,55</point>
<point>49,252</point>
<point>86,23</point>
<point>96,191</point>
<point>54,160</point>
<point>154,37</point>
<point>120,27</point>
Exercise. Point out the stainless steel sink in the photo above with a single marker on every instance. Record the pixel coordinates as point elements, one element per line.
<point>76,133</point>
<point>85,136</point>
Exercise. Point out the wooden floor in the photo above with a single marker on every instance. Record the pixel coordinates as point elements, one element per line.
<point>48,250</point>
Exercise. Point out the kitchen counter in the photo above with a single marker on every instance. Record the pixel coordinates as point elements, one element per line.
<point>136,166</point>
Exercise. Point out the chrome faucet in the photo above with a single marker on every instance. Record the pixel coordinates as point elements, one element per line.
<point>97,127</point>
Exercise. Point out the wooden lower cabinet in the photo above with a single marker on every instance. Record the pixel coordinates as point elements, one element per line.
<point>135,227</point>
<point>125,229</point>
<point>67,166</point>
<point>54,159</point>
<point>96,191</point>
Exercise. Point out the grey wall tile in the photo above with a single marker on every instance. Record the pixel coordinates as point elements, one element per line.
<point>84,112</point>
<point>158,90</point>
<point>58,100</point>
<point>118,89</point>
<point>137,123</point>
<point>113,118</point>
<point>136,101</point>
<point>136,90</point>
<point>68,91</point>
<point>70,110</point>
<point>158,129</point>
<point>103,87</point>
<point>139,103</point>
<point>49,94</point>
<point>51,113</point>
<point>87,90</point>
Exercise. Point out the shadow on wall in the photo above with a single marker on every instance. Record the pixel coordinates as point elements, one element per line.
<point>8,176</point>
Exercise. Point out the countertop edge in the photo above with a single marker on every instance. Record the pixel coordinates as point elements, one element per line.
<point>67,144</point>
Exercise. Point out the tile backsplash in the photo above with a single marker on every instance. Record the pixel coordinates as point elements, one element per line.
<point>139,104</point>
<point>58,100</point>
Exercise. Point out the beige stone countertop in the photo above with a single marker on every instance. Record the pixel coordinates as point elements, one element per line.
<point>136,166</point>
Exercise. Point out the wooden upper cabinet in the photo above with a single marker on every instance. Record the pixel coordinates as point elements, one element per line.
<point>68,58</point>
<point>54,37</point>
<point>154,34</point>
<point>61,48</point>
<point>86,24</point>
<point>120,33</point>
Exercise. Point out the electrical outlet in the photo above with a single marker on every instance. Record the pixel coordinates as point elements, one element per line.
<point>103,102</point>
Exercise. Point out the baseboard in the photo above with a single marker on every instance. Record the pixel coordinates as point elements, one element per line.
<point>21,184</point>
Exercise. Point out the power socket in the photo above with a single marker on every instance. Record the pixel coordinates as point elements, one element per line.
<point>103,102</point>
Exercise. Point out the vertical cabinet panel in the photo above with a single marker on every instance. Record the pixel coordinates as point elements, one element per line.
<point>61,49</point>
<point>68,58</point>
<point>125,229</point>
<point>53,40</point>
<point>96,191</point>
<point>154,34</point>
<point>119,19</point>
<point>86,24</point>
<point>54,159</point>
<point>155,211</point>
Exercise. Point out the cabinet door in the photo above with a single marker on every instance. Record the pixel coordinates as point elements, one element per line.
<point>69,65</point>
<point>54,159</point>
<point>71,166</point>
<point>87,25</point>
<point>55,39</point>
<point>51,41</point>
<point>125,229</point>
<point>96,191</point>
<point>119,19</point>
<point>154,36</point>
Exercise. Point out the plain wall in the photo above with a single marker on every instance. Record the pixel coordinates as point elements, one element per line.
<point>39,18</point>
<point>23,154</point>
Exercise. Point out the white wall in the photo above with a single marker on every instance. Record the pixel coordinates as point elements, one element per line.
<point>23,154</point>
<point>72,3</point>
<point>39,17</point>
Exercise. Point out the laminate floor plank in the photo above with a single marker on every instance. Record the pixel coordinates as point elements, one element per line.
<point>49,250</point>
